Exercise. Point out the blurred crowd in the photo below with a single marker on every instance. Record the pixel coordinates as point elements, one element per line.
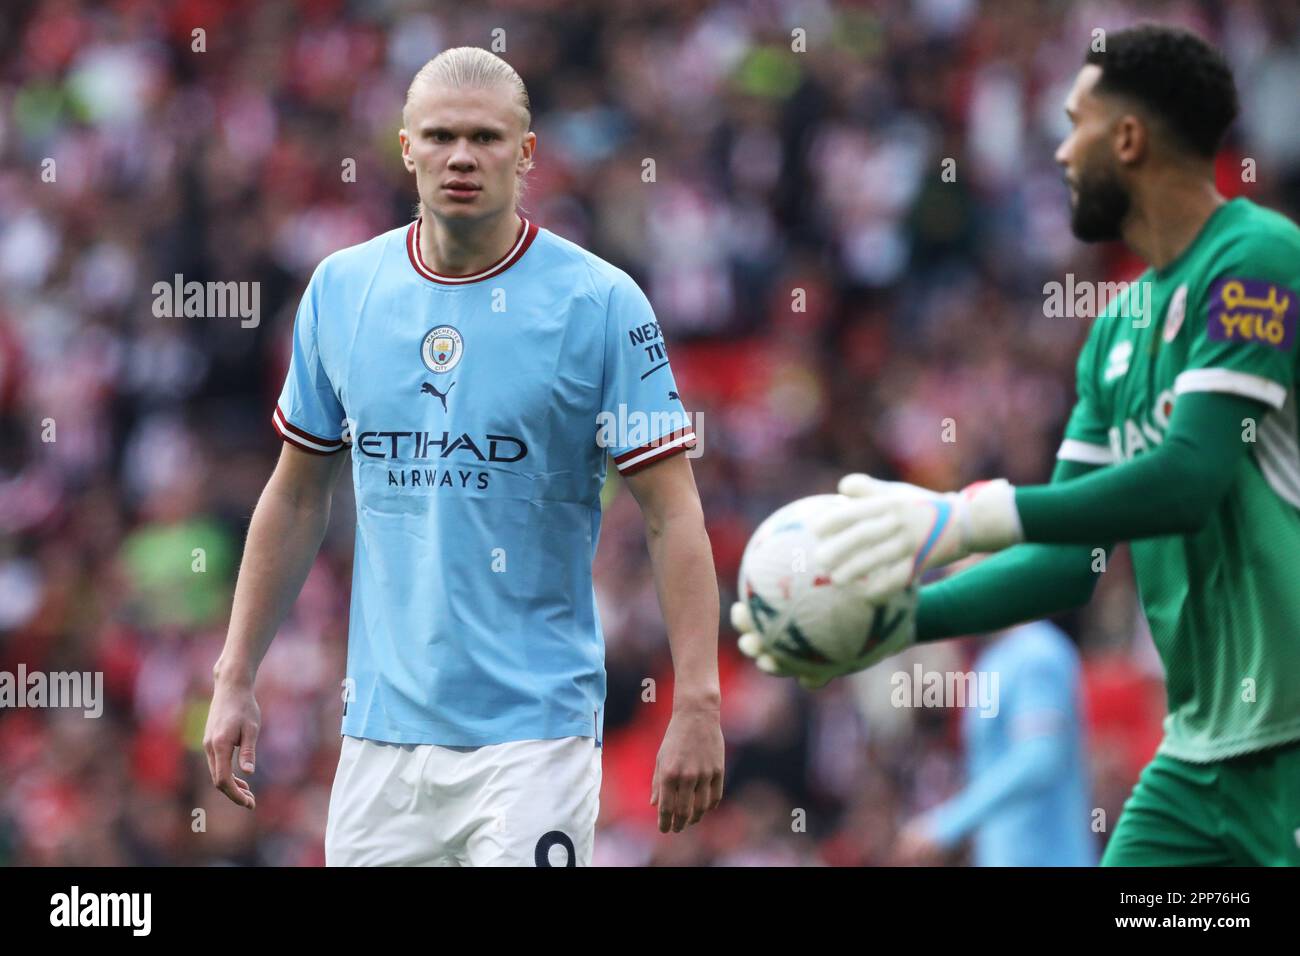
<point>833,302</point>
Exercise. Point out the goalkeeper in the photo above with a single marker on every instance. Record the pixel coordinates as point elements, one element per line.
<point>1183,441</point>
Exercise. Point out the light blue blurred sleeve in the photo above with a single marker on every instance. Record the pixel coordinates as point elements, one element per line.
<point>1038,753</point>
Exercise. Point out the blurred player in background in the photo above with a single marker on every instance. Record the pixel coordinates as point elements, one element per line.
<point>1026,800</point>
<point>469,361</point>
<point>1183,441</point>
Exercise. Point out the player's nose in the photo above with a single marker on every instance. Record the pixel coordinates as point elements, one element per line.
<point>461,158</point>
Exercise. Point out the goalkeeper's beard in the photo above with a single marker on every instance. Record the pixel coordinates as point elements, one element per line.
<point>1101,203</point>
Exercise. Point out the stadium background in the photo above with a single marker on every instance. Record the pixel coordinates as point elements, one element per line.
<point>775,171</point>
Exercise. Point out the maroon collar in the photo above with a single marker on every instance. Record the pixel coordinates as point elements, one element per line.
<point>527,232</point>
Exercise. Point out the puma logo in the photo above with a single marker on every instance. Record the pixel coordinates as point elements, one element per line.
<point>441,396</point>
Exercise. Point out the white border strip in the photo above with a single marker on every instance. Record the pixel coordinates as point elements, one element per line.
<point>1085,452</point>
<point>656,451</point>
<point>1236,383</point>
<point>282,426</point>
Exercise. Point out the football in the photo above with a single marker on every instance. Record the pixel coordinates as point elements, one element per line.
<point>796,608</point>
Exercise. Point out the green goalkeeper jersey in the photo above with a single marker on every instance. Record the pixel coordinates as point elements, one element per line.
<point>1224,603</point>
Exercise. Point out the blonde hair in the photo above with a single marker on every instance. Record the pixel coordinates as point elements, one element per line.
<point>471,67</point>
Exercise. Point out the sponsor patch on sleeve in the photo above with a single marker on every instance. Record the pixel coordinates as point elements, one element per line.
<point>1252,310</point>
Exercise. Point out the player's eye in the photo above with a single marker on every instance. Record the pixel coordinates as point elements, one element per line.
<point>486,137</point>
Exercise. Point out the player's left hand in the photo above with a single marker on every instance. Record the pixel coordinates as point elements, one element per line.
<point>688,771</point>
<point>889,532</point>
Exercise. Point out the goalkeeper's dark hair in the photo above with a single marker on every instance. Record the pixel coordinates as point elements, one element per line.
<point>1176,76</point>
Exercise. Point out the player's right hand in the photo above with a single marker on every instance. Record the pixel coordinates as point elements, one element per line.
<point>233,722</point>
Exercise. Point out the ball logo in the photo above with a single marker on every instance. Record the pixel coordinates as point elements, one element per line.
<point>442,349</point>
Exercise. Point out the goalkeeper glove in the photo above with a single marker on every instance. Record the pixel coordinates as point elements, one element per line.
<point>890,532</point>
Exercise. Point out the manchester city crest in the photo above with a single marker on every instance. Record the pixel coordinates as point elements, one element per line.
<point>442,349</point>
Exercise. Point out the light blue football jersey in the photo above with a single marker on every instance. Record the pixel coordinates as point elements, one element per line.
<point>1027,801</point>
<point>479,411</point>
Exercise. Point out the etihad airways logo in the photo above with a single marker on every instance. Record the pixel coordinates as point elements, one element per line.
<point>414,446</point>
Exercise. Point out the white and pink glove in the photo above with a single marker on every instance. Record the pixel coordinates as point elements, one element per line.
<point>890,532</point>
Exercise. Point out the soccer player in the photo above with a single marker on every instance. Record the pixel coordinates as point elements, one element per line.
<point>1183,441</point>
<point>1026,798</point>
<point>480,369</point>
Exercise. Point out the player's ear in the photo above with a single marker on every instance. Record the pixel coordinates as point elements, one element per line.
<point>1132,139</point>
<point>405,141</point>
<point>529,147</point>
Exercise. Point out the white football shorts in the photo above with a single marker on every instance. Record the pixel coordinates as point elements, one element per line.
<point>521,803</point>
